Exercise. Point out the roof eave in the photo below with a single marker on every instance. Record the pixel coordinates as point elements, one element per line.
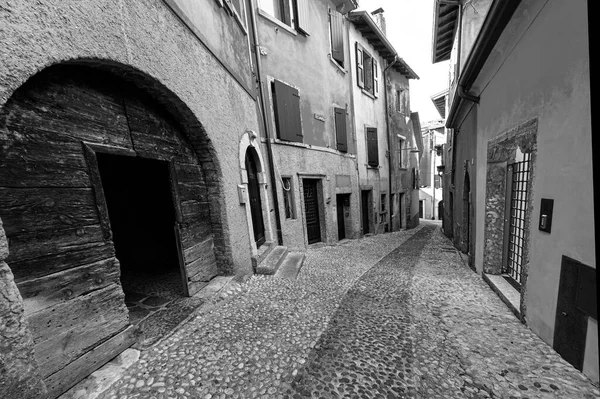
<point>444,54</point>
<point>356,17</point>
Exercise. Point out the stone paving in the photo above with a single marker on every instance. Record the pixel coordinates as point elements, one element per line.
<point>387,316</point>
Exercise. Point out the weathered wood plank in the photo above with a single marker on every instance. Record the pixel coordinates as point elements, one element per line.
<point>96,180</point>
<point>64,379</point>
<point>44,265</point>
<point>49,290</point>
<point>195,231</point>
<point>206,269</point>
<point>42,243</point>
<point>195,286</point>
<point>192,191</point>
<point>33,209</point>
<point>64,316</point>
<point>61,349</point>
<point>199,249</point>
<point>192,210</point>
<point>188,173</point>
<point>34,158</point>
<point>71,101</point>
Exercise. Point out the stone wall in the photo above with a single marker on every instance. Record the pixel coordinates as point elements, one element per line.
<point>19,374</point>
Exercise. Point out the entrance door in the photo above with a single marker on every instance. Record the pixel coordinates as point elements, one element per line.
<point>255,202</point>
<point>340,198</point>
<point>142,216</point>
<point>311,207</point>
<point>364,200</point>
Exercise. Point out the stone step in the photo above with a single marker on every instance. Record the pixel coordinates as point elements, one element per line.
<point>270,264</point>
<point>291,265</point>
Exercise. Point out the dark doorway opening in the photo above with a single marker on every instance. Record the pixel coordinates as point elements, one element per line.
<point>421,208</point>
<point>364,200</point>
<point>255,201</point>
<point>142,217</point>
<point>342,204</point>
<point>311,207</point>
<point>466,234</point>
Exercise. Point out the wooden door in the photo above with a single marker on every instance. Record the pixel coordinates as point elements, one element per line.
<point>340,216</point>
<point>311,207</point>
<point>255,202</point>
<point>192,228</point>
<point>365,211</point>
<point>421,209</point>
<point>570,327</point>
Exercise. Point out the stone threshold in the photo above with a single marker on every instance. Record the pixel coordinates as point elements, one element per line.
<point>509,294</point>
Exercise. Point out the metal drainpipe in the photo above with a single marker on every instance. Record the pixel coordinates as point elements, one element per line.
<point>387,124</point>
<point>266,124</point>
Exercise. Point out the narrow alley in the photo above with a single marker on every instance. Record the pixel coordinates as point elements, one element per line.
<point>387,316</point>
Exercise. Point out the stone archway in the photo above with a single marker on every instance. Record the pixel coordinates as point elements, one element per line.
<point>250,144</point>
<point>53,210</point>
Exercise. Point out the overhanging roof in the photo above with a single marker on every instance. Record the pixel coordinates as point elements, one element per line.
<point>439,100</point>
<point>376,38</point>
<point>445,21</point>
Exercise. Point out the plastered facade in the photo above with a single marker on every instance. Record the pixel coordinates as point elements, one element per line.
<point>525,78</point>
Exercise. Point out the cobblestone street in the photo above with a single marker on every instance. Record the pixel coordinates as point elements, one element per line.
<point>387,316</point>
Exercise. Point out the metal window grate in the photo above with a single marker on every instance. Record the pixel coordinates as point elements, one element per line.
<point>518,213</point>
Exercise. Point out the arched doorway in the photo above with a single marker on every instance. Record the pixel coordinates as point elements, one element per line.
<point>254,195</point>
<point>466,228</point>
<point>72,138</point>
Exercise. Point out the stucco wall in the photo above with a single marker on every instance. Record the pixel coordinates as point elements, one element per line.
<point>150,38</point>
<point>540,68</point>
<point>370,112</point>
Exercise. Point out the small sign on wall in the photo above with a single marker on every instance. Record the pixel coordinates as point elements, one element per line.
<point>320,117</point>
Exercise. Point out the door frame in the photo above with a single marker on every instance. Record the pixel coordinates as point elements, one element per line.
<point>320,202</point>
<point>90,150</point>
<point>252,157</point>
<point>249,139</point>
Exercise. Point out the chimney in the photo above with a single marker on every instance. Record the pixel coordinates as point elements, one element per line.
<point>379,19</point>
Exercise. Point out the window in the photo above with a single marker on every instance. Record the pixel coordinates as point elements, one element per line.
<point>372,150</point>
<point>293,13</point>
<point>288,198</point>
<point>367,72</point>
<point>399,100</point>
<point>286,103</point>
<point>383,202</point>
<point>239,8</point>
<point>336,30</point>
<point>401,153</point>
<point>437,181</point>
<point>341,137</point>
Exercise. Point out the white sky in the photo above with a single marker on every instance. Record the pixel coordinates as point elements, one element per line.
<point>409,29</point>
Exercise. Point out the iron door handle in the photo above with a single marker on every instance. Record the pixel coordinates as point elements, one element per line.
<point>564,314</point>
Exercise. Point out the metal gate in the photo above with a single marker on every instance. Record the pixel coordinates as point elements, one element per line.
<point>518,173</point>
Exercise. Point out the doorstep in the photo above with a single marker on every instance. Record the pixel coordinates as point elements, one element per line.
<point>509,294</point>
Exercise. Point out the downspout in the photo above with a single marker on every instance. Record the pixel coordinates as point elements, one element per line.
<point>262,97</point>
<point>387,124</point>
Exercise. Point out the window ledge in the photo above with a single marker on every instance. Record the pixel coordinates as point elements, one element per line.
<point>277,22</point>
<point>338,66</point>
<point>310,147</point>
<point>368,94</point>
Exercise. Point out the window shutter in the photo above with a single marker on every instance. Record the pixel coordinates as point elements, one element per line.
<point>302,17</point>
<point>286,101</point>
<point>340,129</point>
<point>375,78</point>
<point>360,71</point>
<point>372,150</point>
<point>337,37</point>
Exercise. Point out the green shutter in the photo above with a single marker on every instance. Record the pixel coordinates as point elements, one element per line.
<point>360,70</point>
<point>302,16</point>
<point>372,150</point>
<point>286,101</point>
<point>337,37</point>
<point>340,130</point>
<point>375,79</point>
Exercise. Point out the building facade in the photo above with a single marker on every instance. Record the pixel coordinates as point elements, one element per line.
<point>198,135</point>
<point>430,183</point>
<point>117,119</point>
<point>519,112</point>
